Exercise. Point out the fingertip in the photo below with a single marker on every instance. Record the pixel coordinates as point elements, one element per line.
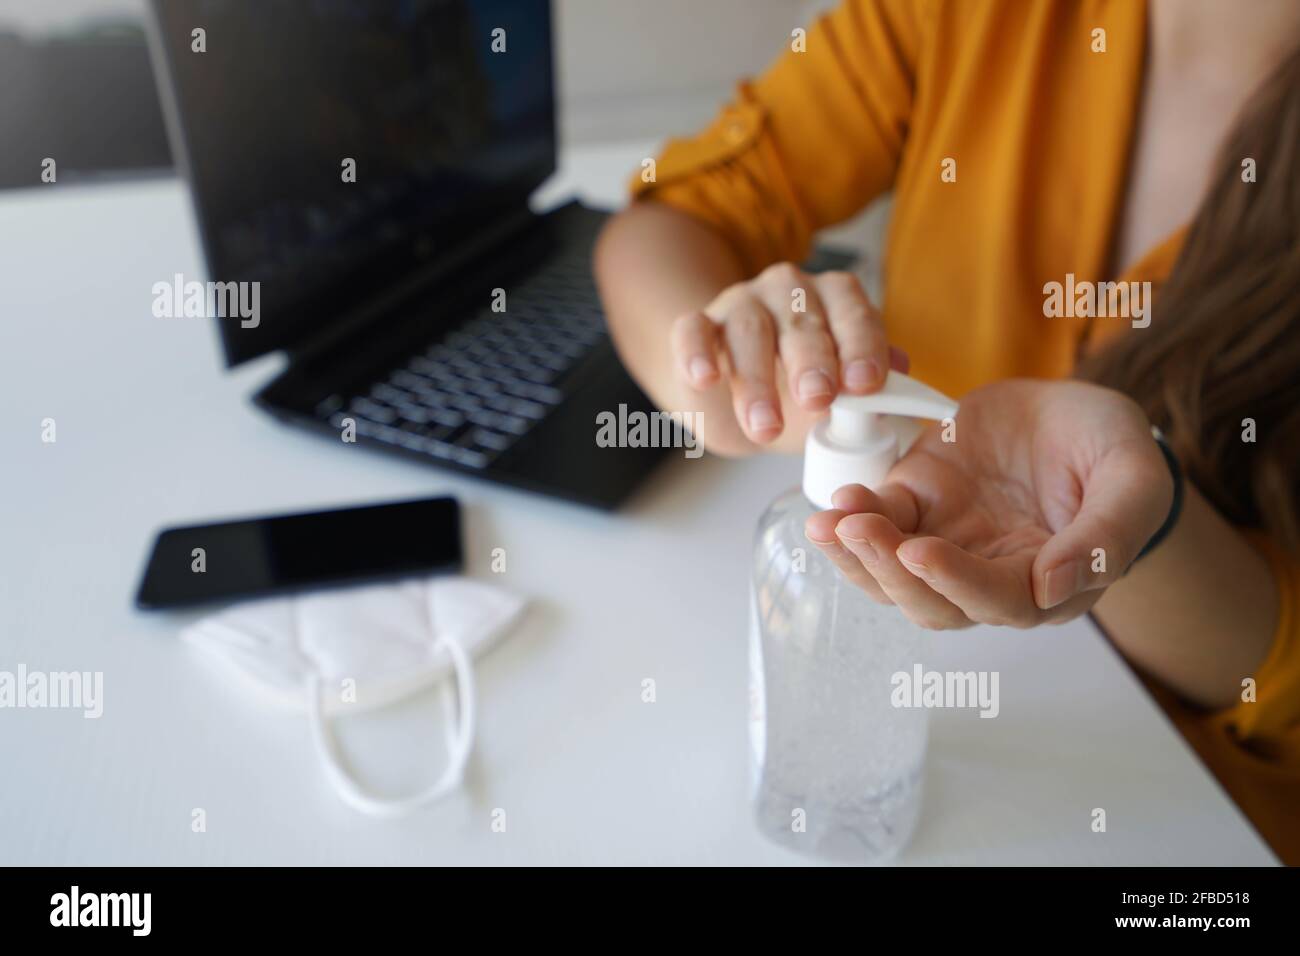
<point>820,527</point>
<point>849,497</point>
<point>913,551</point>
<point>1059,584</point>
<point>814,388</point>
<point>762,421</point>
<point>865,526</point>
<point>863,376</point>
<point>923,558</point>
<point>701,373</point>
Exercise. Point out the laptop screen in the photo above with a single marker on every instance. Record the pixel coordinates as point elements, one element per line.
<point>334,146</point>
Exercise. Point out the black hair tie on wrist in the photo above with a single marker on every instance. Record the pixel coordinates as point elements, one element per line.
<point>1175,506</point>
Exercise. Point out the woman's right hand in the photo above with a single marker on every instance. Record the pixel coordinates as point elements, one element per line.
<point>821,329</point>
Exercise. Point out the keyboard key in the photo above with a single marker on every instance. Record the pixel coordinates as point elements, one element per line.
<point>389,393</point>
<point>498,373</point>
<point>539,376</point>
<point>513,424</point>
<point>470,458</point>
<point>464,402</point>
<point>479,386</point>
<point>446,417</point>
<point>440,449</point>
<point>409,380</point>
<point>374,411</point>
<point>413,413</point>
<point>526,409</point>
<point>369,429</point>
<point>484,417</point>
<point>553,362</point>
<point>539,393</point>
<point>491,439</point>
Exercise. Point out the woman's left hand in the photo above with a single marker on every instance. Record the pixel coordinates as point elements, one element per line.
<point>1046,495</point>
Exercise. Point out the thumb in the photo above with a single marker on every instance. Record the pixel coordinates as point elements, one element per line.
<point>1126,497</point>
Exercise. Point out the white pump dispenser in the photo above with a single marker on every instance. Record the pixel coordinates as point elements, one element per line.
<point>837,766</point>
<point>864,435</point>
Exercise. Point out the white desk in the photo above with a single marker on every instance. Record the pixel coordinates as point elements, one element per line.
<point>151,432</point>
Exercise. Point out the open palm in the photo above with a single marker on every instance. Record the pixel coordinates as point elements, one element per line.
<point>1043,497</point>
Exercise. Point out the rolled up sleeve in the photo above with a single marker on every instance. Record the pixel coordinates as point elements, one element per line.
<point>806,145</point>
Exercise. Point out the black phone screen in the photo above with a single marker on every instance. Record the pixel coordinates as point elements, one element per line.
<point>203,563</point>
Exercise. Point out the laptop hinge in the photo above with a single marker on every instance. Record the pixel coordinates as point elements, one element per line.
<point>505,228</point>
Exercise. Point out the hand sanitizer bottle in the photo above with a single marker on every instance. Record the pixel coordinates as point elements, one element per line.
<point>836,767</point>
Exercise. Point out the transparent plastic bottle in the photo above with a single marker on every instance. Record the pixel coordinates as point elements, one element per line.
<point>837,769</point>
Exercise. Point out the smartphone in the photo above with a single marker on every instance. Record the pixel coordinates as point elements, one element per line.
<point>257,556</point>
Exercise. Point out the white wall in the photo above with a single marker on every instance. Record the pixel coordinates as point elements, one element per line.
<point>628,69</point>
<point>636,68</point>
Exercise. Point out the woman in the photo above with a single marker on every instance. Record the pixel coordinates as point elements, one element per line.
<point>1031,148</point>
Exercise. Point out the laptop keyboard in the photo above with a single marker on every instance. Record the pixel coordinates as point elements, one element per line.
<point>476,391</point>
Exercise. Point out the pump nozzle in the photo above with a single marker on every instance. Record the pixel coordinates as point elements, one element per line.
<point>866,434</point>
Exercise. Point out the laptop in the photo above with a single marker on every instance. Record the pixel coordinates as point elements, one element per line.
<point>369,167</point>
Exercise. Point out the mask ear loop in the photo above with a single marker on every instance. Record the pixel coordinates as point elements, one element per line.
<point>459,742</point>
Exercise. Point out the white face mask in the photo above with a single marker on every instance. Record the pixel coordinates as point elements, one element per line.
<point>361,648</point>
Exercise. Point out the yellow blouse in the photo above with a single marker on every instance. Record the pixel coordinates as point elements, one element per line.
<point>1004,131</point>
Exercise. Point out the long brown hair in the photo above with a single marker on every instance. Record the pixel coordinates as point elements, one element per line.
<point>1223,346</point>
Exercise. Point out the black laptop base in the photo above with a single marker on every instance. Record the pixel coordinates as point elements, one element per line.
<point>508,396</point>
